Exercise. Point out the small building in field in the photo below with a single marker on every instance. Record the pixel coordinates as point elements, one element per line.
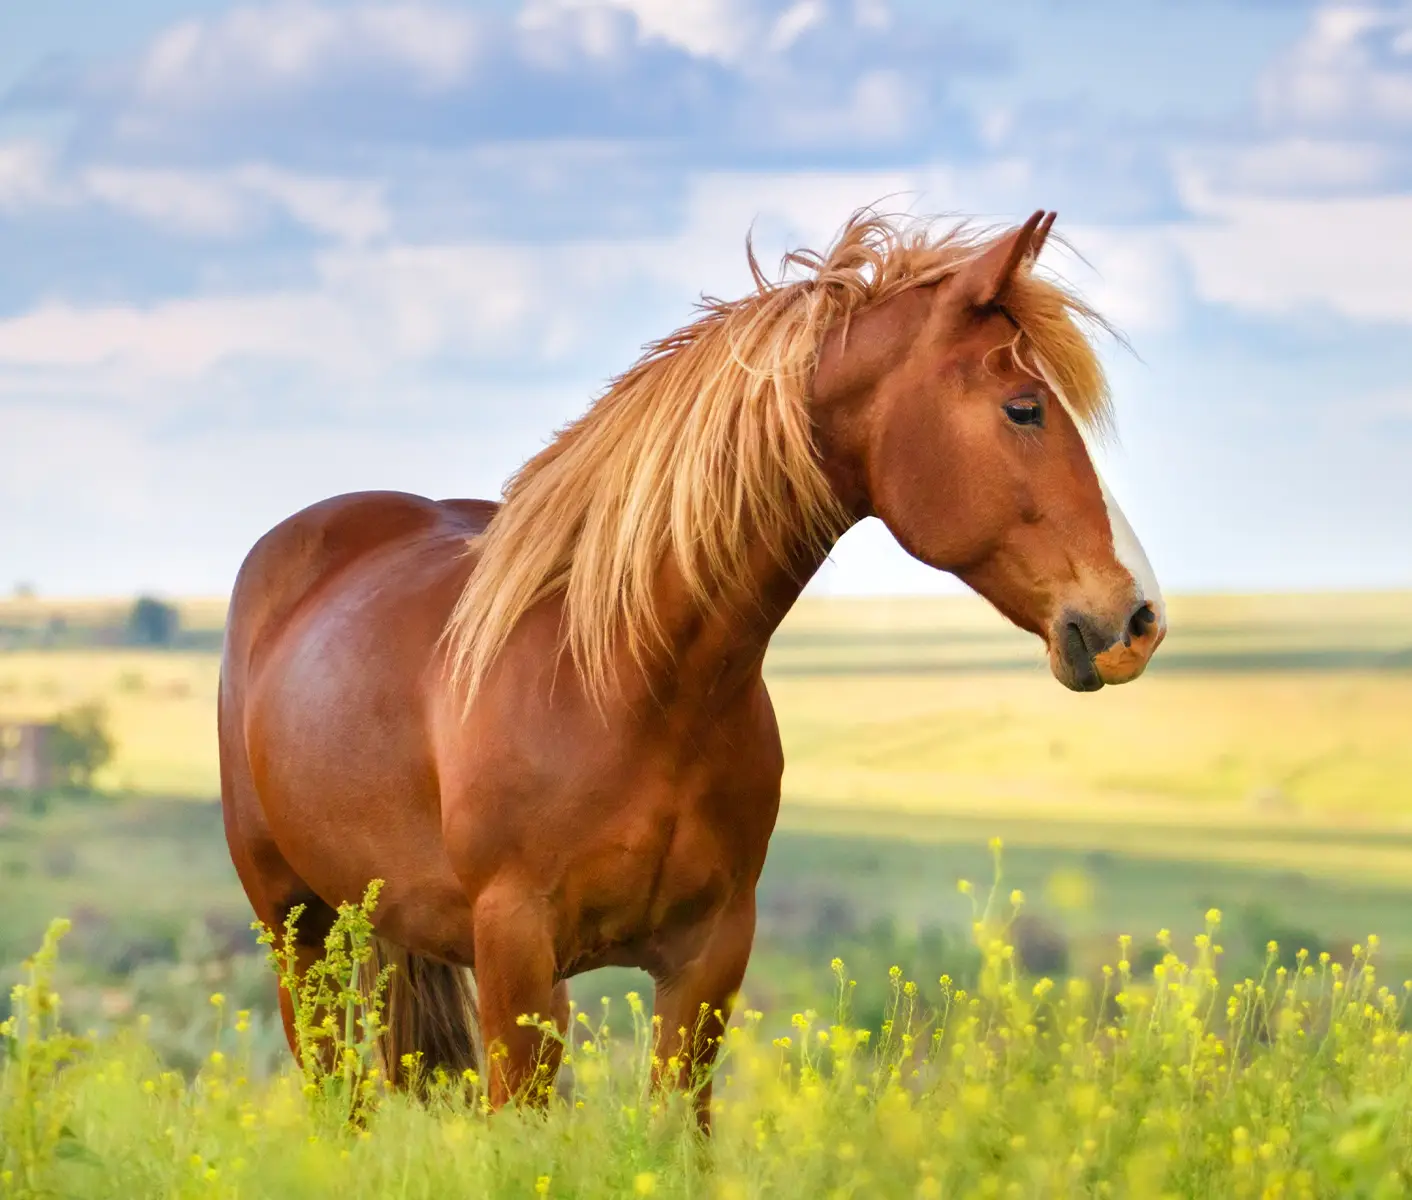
<point>27,756</point>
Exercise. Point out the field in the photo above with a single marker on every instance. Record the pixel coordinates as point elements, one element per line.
<point>1262,767</point>
<point>1257,711</point>
<point>1159,1082</point>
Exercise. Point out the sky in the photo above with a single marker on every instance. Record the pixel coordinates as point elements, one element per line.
<point>257,254</point>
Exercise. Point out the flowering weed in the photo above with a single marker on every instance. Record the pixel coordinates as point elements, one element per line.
<point>1166,1082</point>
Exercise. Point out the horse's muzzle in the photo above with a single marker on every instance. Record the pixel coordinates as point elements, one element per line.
<point>1086,652</point>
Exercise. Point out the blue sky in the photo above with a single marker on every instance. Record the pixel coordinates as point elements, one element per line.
<point>256,254</point>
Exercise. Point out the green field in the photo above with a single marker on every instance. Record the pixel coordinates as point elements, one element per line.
<point>1157,1079</point>
<point>1263,766</point>
<point>1265,756</point>
<point>1257,711</point>
<point>1271,732</point>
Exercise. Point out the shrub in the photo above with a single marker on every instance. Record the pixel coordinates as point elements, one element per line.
<point>152,623</point>
<point>81,744</point>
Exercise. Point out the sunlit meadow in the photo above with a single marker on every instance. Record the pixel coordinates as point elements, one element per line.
<point>1170,1082</point>
<point>1278,790</point>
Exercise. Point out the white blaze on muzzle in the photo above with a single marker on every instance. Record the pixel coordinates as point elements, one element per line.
<point>1129,552</point>
<point>1126,548</point>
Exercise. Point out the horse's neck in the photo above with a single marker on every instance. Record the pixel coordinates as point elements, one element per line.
<point>714,650</point>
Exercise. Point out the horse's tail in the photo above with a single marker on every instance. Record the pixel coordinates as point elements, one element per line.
<point>429,1010</point>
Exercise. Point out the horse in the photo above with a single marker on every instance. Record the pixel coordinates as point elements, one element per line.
<point>543,722</point>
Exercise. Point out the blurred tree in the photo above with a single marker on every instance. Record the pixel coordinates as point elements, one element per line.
<point>152,623</point>
<point>81,744</point>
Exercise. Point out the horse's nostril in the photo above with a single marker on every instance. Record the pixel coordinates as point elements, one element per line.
<point>1138,623</point>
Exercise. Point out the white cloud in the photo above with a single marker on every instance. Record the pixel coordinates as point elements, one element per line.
<point>216,203</point>
<point>350,210</point>
<point>26,175</point>
<point>795,21</point>
<point>249,49</point>
<point>178,337</point>
<point>303,81</point>
<point>716,29</point>
<point>369,310</point>
<point>877,108</point>
<point>1297,165</point>
<point>1133,276</point>
<point>1376,413</point>
<point>1129,274</point>
<point>1310,216</point>
<point>1275,257</point>
<point>174,199</point>
<point>231,202</point>
<point>1353,68</point>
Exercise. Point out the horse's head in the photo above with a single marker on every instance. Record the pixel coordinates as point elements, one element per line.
<point>949,412</point>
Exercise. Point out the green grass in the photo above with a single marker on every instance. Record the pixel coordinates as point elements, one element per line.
<point>1151,1082</point>
<point>161,708</point>
<point>1261,767</point>
<point>158,913</point>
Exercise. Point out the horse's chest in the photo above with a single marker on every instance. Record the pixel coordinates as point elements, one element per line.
<point>643,893</point>
<point>635,837</point>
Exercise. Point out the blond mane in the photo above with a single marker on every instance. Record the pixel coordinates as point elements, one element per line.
<point>703,450</point>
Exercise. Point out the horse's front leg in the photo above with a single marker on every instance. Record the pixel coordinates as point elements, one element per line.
<point>694,1003</point>
<point>515,980</point>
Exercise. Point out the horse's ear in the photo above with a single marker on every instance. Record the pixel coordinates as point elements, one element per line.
<point>1040,236</point>
<point>984,279</point>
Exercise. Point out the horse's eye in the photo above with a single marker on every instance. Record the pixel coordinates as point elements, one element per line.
<point>1025,412</point>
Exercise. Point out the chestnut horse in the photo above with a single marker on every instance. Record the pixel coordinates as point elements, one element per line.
<point>543,723</point>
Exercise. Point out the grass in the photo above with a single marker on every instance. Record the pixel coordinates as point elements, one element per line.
<point>1261,767</point>
<point>161,708</point>
<point>1264,707</point>
<point>157,911</point>
<point>913,730</point>
<point>1158,1082</point>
